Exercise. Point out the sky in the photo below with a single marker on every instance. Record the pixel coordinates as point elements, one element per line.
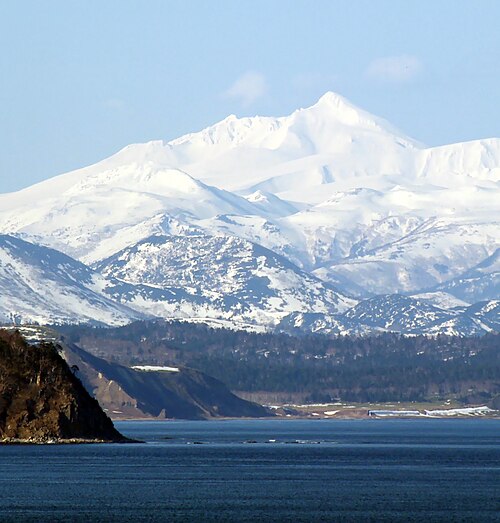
<point>79,80</point>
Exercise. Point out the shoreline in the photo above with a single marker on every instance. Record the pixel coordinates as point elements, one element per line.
<point>309,418</point>
<point>64,441</point>
<point>364,411</point>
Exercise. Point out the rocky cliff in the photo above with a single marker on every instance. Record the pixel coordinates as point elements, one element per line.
<point>157,392</point>
<point>41,399</point>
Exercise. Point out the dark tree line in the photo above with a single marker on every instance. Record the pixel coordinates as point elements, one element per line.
<point>387,367</point>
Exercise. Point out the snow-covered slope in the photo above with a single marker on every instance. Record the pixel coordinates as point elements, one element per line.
<point>219,277</point>
<point>222,279</point>
<point>104,211</point>
<point>40,285</point>
<point>479,283</point>
<point>333,189</point>
<point>397,313</point>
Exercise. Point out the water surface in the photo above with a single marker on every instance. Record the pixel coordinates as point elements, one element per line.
<point>262,470</point>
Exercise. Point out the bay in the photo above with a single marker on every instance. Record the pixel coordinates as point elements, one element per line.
<point>262,470</point>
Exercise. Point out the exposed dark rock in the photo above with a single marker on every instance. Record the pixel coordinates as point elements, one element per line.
<point>42,401</point>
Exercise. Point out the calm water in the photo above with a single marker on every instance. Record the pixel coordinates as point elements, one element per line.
<point>277,470</point>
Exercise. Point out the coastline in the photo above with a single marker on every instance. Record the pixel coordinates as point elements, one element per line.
<point>346,414</point>
<point>64,441</point>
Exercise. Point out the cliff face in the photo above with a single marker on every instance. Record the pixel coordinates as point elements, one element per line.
<point>130,393</point>
<point>41,400</point>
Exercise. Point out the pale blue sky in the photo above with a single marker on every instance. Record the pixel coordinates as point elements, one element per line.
<point>81,79</point>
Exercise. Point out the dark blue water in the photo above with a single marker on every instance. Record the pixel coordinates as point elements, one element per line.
<point>319,470</point>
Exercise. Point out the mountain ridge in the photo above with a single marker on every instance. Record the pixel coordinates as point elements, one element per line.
<point>339,193</point>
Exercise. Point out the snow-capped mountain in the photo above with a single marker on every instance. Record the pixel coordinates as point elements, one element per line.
<point>244,286</point>
<point>219,277</point>
<point>335,192</point>
<point>41,285</point>
<point>106,210</point>
<point>397,313</point>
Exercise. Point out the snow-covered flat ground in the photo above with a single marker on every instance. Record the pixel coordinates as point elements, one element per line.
<point>155,368</point>
<point>469,411</point>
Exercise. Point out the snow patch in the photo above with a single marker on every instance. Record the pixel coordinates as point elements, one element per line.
<point>155,368</point>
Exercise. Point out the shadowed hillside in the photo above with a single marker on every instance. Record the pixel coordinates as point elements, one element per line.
<point>162,392</point>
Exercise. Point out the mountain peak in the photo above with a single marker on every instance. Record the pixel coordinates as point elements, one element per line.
<point>333,99</point>
<point>335,107</point>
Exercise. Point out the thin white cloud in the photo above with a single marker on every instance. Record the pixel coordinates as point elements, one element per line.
<point>248,88</point>
<point>399,69</point>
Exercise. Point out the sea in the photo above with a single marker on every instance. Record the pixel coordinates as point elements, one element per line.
<point>427,470</point>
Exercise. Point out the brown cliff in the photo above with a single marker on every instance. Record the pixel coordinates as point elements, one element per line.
<point>42,401</point>
<point>129,393</point>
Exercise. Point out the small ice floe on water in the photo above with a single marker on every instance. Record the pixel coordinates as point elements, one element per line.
<point>293,442</point>
<point>155,368</point>
<point>302,442</point>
